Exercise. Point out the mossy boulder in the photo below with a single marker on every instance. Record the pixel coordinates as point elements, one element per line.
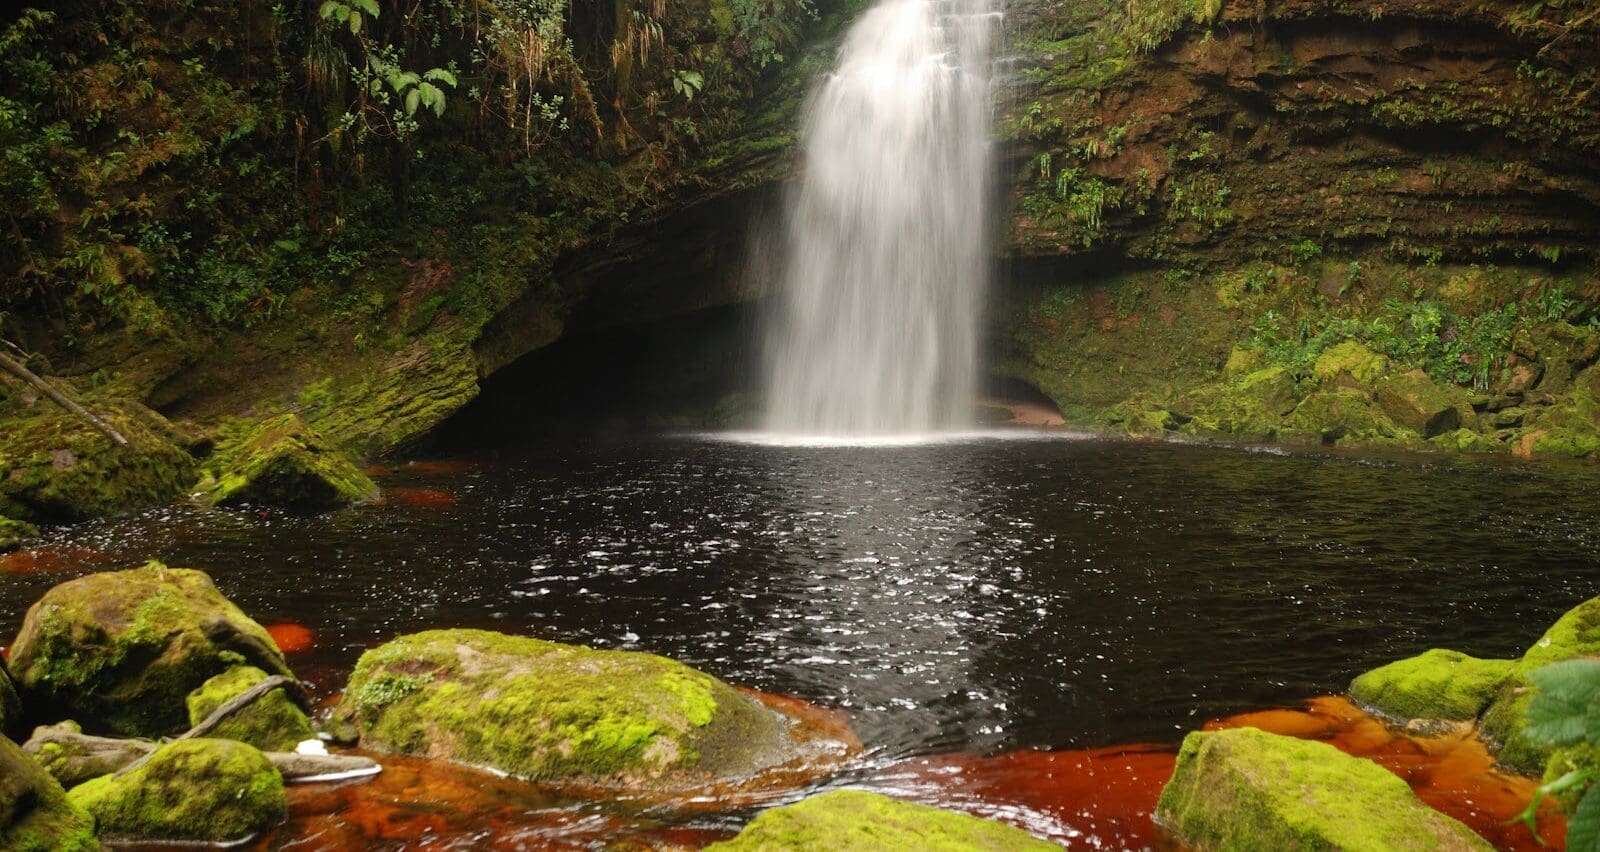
<point>13,533</point>
<point>1575,634</point>
<point>121,651</point>
<point>272,722</point>
<point>282,462</point>
<point>1350,359</point>
<point>1418,403</point>
<point>1333,416</point>
<point>558,713</point>
<point>861,821</point>
<point>56,467</point>
<point>1246,789</point>
<point>1250,407</point>
<point>10,706</point>
<point>204,790</point>
<point>35,815</point>
<point>1439,685</point>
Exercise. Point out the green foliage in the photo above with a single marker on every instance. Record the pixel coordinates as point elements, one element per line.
<point>1565,712</point>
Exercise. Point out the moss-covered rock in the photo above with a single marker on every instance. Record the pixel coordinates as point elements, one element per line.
<point>1247,789</point>
<point>272,722</point>
<point>189,790</point>
<point>1435,685</point>
<point>13,533</point>
<point>1334,416</point>
<point>35,815</point>
<point>121,651</point>
<point>552,712</point>
<point>282,462</point>
<point>1413,400</point>
<point>55,466</point>
<point>1351,359</point>
<point>1575,634</point>
<point>861,821</point>
<point>1250,407</point>
<point>10,706</point>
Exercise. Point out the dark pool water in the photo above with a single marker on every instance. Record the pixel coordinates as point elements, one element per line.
<point>978,596</point>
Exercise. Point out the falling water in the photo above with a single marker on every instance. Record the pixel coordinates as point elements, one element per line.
<point>876,332</point>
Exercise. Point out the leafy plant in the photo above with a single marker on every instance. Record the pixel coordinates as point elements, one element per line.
<point>1566,712</point>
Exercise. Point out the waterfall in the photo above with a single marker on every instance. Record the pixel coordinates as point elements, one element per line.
<point>875,331</point>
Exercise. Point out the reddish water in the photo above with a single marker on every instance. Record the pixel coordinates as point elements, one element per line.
<point>292,638</point>
<point>427,498</point>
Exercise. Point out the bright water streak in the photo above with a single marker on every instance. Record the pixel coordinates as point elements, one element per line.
<point>877,324</point>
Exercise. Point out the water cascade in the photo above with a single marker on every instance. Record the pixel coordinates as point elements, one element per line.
<point>876,329</point>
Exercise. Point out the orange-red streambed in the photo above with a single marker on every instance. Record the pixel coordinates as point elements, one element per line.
<point>1084,798</point>
<point>1103,798</point>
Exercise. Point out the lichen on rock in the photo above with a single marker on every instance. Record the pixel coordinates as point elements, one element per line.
<point>1438,685</point>
<point>281,462</point>
<point>35,815</point>
<point>1247,789</point>
<point>120,651</point>
<point>272,722</point>
<point>862,821</point>
<point>190,790</point>
<point>551,712</point>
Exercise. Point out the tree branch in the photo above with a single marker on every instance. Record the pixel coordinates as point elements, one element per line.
<point>16,368</point>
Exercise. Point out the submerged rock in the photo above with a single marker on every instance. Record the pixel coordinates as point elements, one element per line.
<point>121,651</point>
<point>272,722</point>
<point>1414,401</point>
<point>282,462</point>
<point>857,820</point>
<point>1575,634</point>
<point>1247,789</point>
<point>551,712</point>
<point>35,815</point>
<point>189,790</point>
<point>1436,685</point>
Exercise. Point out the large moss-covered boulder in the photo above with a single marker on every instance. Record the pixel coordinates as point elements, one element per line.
<point>13,533</point>
<point>35,815</point>
<point>1246,789</point>
<point>1350,362</point>
<point>190,790</point>
<point>1332,416</point>
<point>1413,400</point>
<point>120,651</point>
<point>1249,407</point>
<point>1438,685</point>
<point>55,466</point>
<point>272,722</point>
<point>282,462</point>
<point>1575,634</point>
<point>552,712</point>
<point>861,821</point>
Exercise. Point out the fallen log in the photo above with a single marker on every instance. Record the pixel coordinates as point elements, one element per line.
<point>74,757</point>
<point>16,368</point>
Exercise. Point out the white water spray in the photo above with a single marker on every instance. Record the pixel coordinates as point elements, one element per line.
<point>877,326</point>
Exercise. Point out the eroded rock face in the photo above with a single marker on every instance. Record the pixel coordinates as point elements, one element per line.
<point>1437,685</point>
<point>189,790</point>
<point>119,652</point>
<point>1248,789</point>
<point>272,722</point>
<point>35,815</point>
<point>858,820</point>
<point>557,713</point>
<point>282,462</point>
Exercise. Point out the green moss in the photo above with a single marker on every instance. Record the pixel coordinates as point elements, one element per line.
<point>200,789</point>
<point>865,822</point>
<point>554,712</point>
<point>1353,359</point>
<point>1342,416</point>
<point>272,722</point>
<point>121,651</point>
<point>10,706</point>
<point>282,462</point>
<point>35,815</point>
<point>1414,401</point>
<point>1251,407</point>
<point>1246,789</point>
<point>1438,684</point>
<point>1575,634</point>
<point>13,533</point>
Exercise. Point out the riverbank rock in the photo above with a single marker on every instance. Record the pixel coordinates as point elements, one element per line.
<point>190,790</point>
<point>120,651</point>
<point>551,712</point>
<point>1350,364</point>
<point>1247,789</point>
<point>10,706</point>
<point>272,722</point>
<point>857,820</point>
<point>1334,416</point>
<point>1250,407</point>
<point>282,462</point>
<point>13,533</point>
<point>1414,401</point>
<point>1575,634</point>
<point>1439,685</point>
<point>56,467</point>
<point>35,815</point>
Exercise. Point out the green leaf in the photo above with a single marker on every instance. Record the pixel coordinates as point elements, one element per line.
<point>442,76</point>
<point>368,6</point>
<point>287,245</point>
<point>1583,828</point>
<point>1558,714</point>
<point>333,10</point>
<point>355,22</point>
<point>411,101</point>
<point>433,96</point>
